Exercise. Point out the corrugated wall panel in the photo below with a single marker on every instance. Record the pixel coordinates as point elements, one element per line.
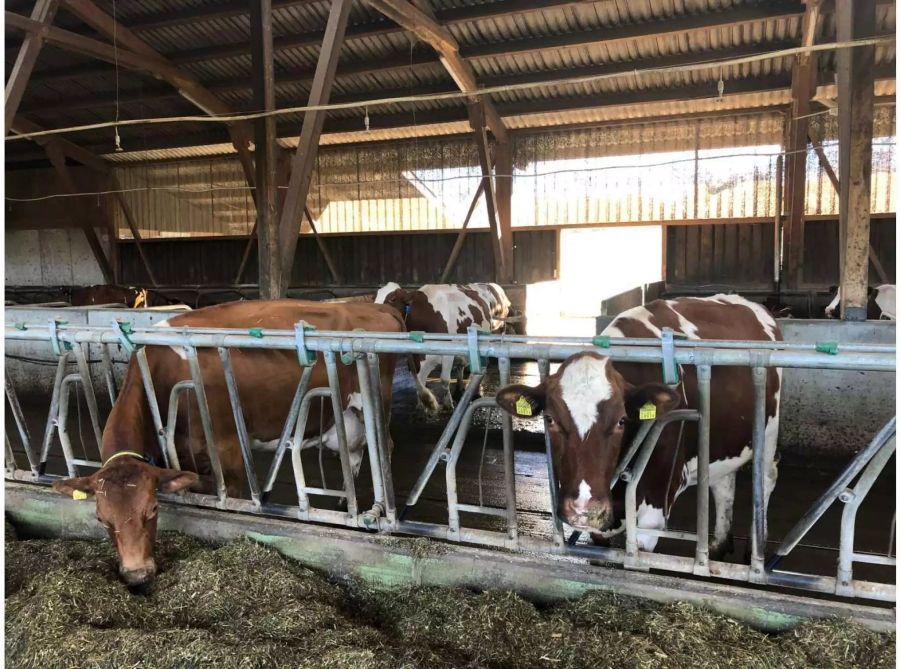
<point>820,253</point>
<point>738,255</point>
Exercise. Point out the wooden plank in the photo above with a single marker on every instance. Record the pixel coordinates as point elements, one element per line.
<point>305,155</point>
<point>503,170</point>
<point>855,116</point>
<point>42,13</point>
<point>271,276</point>
<point>479,126</point>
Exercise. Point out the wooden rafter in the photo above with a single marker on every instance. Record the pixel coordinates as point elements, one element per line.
<point>43,13</point>
<point>305,155</point>
<point>477,121</point>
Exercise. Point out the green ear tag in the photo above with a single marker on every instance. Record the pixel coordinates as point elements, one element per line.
<point>523,406</point>
<point>79,495</point>
<point>647,412</point>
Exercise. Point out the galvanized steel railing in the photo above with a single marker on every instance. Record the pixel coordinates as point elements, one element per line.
<point>363,348</point>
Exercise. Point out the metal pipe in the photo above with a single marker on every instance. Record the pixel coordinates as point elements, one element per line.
<point>701,556</point>
<point>559,538</point>
<point>758,444</point>
<point>444,440</point>
<point>365,393</point>
<point>106,365</point>
<point>53,415</point>
<point>284,440</point>
<point>827,498</point>
<point>509,459</point>
<point>10,457</point>
<point>153,403</point>
<point>63,425</point>
<point>89,396</point>
<point>21,425</point>
<point>205,419</point>
<point>296,451</point>
<point>337,407</point>
<point>852,500</point>
<point>384,441</point>
<point>240,424</point>
<point>172,422</point>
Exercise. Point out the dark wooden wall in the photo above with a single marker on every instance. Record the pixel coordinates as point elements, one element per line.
<point>362,260</point>
<point>821,253</point>
<point>731,254</point>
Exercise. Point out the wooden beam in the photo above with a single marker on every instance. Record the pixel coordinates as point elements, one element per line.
<point>270,271</point>
<point>855,117</point>
<point>305,155</point>
<point>461,237</point>
<point>503,168</point>
<point>423,24</point>
<point>135,232</point>
<point>58,160</point>
<point>323,249</point>
<point>479,126</point>
<point>22,126</point>
<point>803,85</point>
<point>43,13</point>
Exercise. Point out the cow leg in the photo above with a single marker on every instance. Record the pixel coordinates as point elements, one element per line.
<point>460,381</point>
<point>446,372</point>
<point>355,431</point>
<point>723,494</point>
<point>426,397</point>
<point>649,517</point>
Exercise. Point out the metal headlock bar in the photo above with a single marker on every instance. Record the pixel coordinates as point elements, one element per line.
<point>362,349</point>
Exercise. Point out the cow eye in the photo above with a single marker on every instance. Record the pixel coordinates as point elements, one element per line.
<point>622,421</point>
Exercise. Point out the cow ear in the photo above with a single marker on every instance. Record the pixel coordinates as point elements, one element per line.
<point>522,401</point>
<point>660,396</point>
<point>174,480</point>
<point>77,488</point>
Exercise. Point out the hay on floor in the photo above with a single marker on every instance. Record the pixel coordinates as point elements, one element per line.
<point>244,606</point>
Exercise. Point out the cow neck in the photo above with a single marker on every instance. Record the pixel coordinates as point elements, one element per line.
<point>126,429</point>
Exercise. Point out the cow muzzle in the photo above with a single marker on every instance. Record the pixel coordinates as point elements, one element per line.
<point>138,577</point>
<point>593,516</point>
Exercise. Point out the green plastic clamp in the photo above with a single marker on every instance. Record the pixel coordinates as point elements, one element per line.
<point>417,336</point>
<point>829,347</point>
<point>601,341</point>
<point>21,326</point>
<point>255,332</point>
<point>348,358</point>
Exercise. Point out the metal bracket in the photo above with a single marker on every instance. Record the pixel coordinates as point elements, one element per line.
<point>669,368</point>
<point>54,338</point>
<point>122,331</point>
<point>476,364</point>
<point>304,355</point>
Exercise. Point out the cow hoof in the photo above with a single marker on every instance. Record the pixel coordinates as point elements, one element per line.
<point>717,551</point>
<point>429,404</point>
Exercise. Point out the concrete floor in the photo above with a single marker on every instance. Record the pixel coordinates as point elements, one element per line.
<point>414,434</point>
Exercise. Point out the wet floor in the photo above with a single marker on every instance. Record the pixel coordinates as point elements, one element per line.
<point>481,481</point>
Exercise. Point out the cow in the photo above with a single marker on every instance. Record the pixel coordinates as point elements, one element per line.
<point>881,304</point>
<point>445,309</point>
<point>125,486</point>
<point>592,408</point>
<point>130,296</point>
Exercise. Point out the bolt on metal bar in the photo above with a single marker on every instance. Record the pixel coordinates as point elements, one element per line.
<point>701,555</point>
<point>289,424</point>
<point>852,500</point>
<point>212,447</point>
<point>443,442</point>
<point>239,424</point>
<point>758,444</point>
<point>856,465</point>
<point>637,471</point>
<point>21,425</point>
<point>156,416</point>
<point>509,459</point>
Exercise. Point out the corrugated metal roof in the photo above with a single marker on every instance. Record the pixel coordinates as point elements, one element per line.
<point>386,61</point>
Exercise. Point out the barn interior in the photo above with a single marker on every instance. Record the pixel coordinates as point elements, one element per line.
<point>588,156</point>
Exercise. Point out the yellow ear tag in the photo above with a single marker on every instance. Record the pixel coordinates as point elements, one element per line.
<point>647,412</point>
<point>79,495</point>
<point>523,406</point>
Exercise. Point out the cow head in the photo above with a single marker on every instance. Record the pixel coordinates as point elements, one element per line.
<point>393,295</point>
<point>590,411</point>
<point>125,493</point>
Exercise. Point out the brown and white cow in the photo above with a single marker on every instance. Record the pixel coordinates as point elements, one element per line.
<point>112,294</point>
<point>446,309</point>
<point>591,406</point>
<point>881,304</point>
<point>125,487</point>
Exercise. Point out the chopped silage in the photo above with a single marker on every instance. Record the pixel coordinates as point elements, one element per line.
<point>244,606</point>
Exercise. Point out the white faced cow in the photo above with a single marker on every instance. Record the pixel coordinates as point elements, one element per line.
<point>592,409</point>
<point>882,303</point>
<point>446,309</point>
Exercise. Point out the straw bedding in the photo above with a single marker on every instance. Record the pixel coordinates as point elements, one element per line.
<point>244,606</point>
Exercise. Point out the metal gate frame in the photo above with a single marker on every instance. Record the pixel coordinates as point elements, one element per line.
<point>363,348</point>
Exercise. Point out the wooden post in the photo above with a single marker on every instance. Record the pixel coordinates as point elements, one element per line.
<point>855,116</point>
<point>43,12</point>
<point>305,156</point>
<point>58,160</point>
<point>803,84</point>
<point>271,279</point>
<point>332,268</point>
<point>461,237</point>
<point>477,121</point>
<point>504,186</point>
<point>135,233</point>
